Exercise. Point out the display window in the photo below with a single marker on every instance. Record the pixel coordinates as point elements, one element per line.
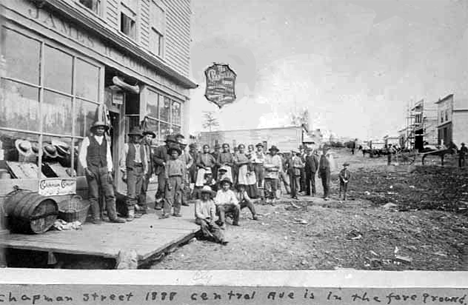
<point>49,97</point>
<point>164,115</point>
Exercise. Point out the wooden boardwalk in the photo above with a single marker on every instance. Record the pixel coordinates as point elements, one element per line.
<point>148,236</point>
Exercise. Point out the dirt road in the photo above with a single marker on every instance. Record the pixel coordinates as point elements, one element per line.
<point>363,233</point>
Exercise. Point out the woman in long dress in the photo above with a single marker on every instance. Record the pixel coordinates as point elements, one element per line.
<point>204,162</point>
<point>246,176</point>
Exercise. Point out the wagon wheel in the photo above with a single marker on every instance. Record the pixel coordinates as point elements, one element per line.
<point>412,157</point>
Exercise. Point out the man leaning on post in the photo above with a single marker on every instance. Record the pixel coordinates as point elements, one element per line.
<point>96,160</point>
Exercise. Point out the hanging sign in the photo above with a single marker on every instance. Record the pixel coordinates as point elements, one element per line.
<point>220,84</point>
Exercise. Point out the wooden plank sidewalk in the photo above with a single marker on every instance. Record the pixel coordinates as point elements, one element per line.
<point>147,235</point>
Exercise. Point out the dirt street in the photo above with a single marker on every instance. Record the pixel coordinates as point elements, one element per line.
<point>393,220</point>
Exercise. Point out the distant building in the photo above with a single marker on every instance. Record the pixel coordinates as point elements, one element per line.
<point>422,126</point>
<point>452,120</point>
<point>285,138</point>
<point>392,140</point>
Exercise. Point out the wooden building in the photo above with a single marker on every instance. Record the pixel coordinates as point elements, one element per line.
<point>285,138</point>
<point>67,63</point>
<point>452,120</point>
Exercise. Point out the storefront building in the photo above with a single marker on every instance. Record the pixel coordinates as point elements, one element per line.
<point>69,63</point>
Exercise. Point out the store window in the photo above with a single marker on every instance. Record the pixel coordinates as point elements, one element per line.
<point>57,70</point>
<point>49,114</point>
<point>23,54</point>
<point>163,115</point>
<point>165,109</point>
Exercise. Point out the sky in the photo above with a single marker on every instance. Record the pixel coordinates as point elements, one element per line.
<point>356,65</point>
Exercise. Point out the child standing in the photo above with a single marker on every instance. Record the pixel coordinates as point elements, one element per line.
<point>345,175</point>
<point>175,170</point>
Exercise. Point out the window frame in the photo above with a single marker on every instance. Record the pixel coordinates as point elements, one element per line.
<point>44,41</point>
<point>100,12</point>
<point>125,10</point>
<point>161,97</point>
<point>154,29</point>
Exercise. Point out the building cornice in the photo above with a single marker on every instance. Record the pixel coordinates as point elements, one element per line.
<point>95,26</point>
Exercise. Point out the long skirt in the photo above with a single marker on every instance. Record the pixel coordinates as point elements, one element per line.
<point>249,180</point>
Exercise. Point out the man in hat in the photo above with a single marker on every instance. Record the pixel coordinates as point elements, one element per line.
<point>160,158</point>
<point>227,203</point>
<point>215,154</point>
<point>295,169</point>
<point>273,165</point>
<point>302,156</point>
<point>311,166</point>
<point>174,171</point>
<point>134,167</point>
<point>96,160</point>
<point>147,141</point>
<point>344,176</point>
<point>193,169</point>
<point>188,161</point>
<point>205,214</point>
<point>258,160</point>
<point>324,171</point>
<point>462,155</point>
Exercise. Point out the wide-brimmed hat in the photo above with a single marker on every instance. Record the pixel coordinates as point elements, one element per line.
<point>346,164</point>
<point>179,135</point>
<point>273,147</point>
<point>208,171</point>
<point>50,151</point>
<point>170,150</point>
<point>63,148</point>
<point>24,147</point>
<point>182,142</point>
<point>136,131</point>
<point>259,144</point>
<point>35,148</point>
<point>170,138</point>
<point>225,179</point>
<point>99,124</point>
<point>217,146</point>
<point>224,168</point>
<point>146,132</point>
<point>193,145</point>
<point>207,189</point>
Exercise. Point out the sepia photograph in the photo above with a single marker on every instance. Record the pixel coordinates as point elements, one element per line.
<point>216,135</point>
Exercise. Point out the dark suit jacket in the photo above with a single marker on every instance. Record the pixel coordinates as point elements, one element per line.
<point>160,155</point>
<point>311,164</point>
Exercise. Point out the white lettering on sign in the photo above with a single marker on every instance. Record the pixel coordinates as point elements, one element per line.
<point>52,187</point>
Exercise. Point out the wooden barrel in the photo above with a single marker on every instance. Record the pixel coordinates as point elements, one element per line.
<point>29,212</point>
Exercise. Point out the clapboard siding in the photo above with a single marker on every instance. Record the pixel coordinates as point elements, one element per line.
<point>286,139</point>
<point>145,23</point>
<point>177,41</point>
<point>112,13</point>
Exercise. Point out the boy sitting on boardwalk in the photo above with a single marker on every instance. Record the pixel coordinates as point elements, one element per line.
<point>174,172</point>
<point>345,175</point>
<point>227,203</point>
<point>205,213</point>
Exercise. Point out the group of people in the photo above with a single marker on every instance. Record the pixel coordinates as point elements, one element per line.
<point>222,182</point>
